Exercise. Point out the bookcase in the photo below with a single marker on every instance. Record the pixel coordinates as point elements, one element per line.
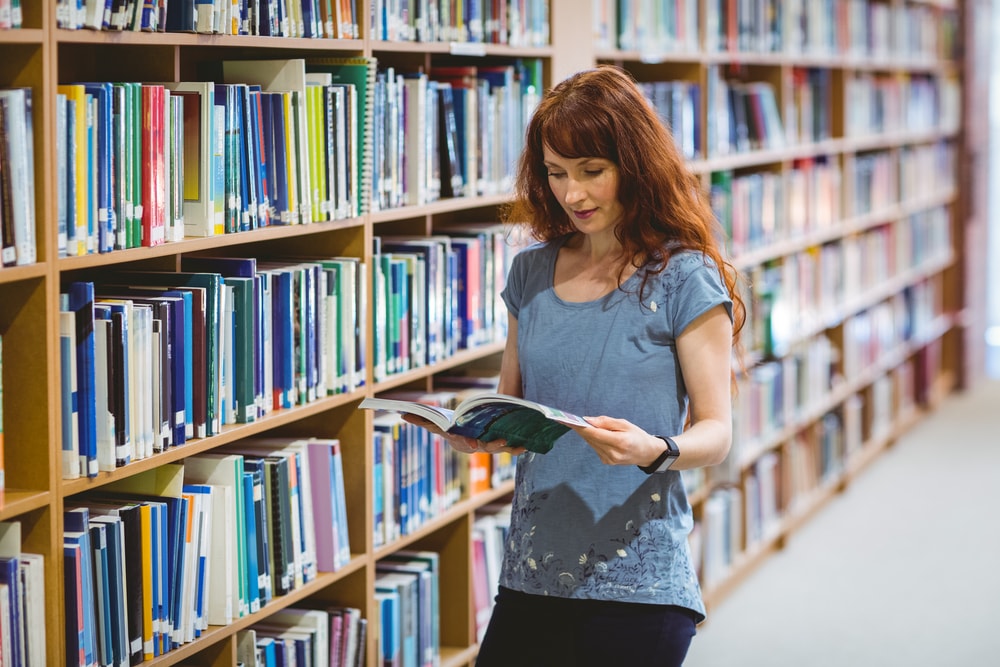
<point>849,225</point>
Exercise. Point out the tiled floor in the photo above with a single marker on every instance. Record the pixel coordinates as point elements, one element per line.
<point>901,569</point>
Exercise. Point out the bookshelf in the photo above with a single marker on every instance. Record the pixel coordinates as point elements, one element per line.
<point>785,432</point>
<point>856,326</point>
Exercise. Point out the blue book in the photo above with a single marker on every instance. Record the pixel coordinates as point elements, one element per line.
<point>181,16</point>
<point>230,138</point>
<point>282,336</point>
<point>253,574</point>
<point>247,199</point>
<point>308,303</point>
<point>275,130</point>
<point>73,244</point>
<point>255,468</point>
<point>106,223</point>
<point>176,538</point>
<point>76,530</point>
<point>99,551</point>
<point>378,496</point>
<point>73,577</point>
<point>115,534</point>
<point>266,645</point>
<point>389,625</point>
<point>158,566</point>
<point>81,303</point>
<point>262,171</point>
<point>249,163</point>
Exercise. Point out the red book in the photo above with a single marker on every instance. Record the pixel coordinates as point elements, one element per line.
<point>154,182</point>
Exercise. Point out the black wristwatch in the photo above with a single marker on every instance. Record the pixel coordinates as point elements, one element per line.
<point>664,460</point>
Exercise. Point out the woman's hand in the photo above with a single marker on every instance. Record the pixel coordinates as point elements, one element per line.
<point>620,442</point>
<point>461,443</point>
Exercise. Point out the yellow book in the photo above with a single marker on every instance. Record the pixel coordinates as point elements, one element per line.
<point>79,165</point>
<point>314,120</point>
<point>147,580</point>
<point>291,163</point>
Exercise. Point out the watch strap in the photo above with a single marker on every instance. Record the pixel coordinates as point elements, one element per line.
<point>664,460</point>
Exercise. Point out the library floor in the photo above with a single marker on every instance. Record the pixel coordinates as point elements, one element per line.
<point>902,569</point>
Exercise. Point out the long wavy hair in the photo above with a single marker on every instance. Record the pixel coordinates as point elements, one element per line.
<point>602,113</point>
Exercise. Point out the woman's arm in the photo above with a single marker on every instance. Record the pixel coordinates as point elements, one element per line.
<point>704,349</point>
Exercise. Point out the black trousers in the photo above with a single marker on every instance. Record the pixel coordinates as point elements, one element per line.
<point>540,631</point>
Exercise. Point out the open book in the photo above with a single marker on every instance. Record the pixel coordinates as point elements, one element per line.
<point>488,417</point>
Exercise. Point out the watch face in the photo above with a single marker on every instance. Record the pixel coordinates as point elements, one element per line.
<point>667,462</point>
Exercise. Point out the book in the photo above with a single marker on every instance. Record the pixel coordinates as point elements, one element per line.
<point>486,417</point>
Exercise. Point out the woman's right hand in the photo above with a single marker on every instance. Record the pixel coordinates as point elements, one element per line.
<point>461,443</point>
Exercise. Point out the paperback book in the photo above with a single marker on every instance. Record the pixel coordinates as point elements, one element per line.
<point>488,417</point>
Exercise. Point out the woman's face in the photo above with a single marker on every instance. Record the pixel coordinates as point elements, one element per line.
<point>587,188</point>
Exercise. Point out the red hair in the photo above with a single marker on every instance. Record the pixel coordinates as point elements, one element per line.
<point>602,113</point>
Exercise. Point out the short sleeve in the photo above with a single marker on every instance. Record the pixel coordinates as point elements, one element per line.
<point>517,278</point>
<point>693,286</point>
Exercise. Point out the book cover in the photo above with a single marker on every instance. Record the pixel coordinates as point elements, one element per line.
<point>76,530</point>
<point>252,545</point>
<point>32,568</point>
<point>226,470</point>
<point>73,576</point>
<point>106,223</point>
<point>255,468</point>
<point>326,485</point>
<point>17,150</point>
<point>154,184</point>
<point>81,304</point>
<point>487,417</point>
<point>198,178</point>
<point>390,643</point>
<point>116,591</point>
<point>69,399</point>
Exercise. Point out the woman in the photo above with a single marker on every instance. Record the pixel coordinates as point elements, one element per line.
<point>626,311</point>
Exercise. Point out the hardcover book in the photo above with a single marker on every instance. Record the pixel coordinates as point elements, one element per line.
<point>487,417</point>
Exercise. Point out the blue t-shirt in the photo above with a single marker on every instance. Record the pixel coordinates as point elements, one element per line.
<point>580,528</point>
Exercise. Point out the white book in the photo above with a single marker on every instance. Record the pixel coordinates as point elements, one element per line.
<point>223,596</point>
<point>314,622</point>
<point>415,116</point>
<point>105,419</point>
<point>68,384</point>
<point>226,471</point>
<point>15,105</point>
<point>6,629</point>
<point>199,201</point>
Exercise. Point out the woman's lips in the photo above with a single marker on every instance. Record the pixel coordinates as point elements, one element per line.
<point>583,215</point>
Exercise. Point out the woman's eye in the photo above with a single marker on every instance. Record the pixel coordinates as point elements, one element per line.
<point>553,174</point>
<point>594,172</point>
